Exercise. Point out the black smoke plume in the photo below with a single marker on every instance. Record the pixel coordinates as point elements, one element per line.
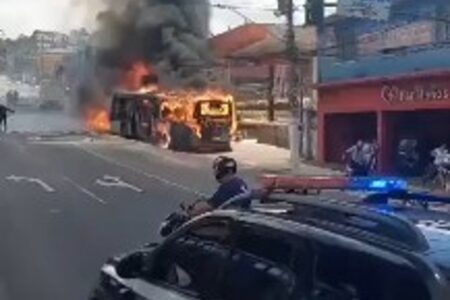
<point>170,35</point>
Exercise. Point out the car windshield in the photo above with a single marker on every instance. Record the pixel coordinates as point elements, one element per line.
<point>123,120</point>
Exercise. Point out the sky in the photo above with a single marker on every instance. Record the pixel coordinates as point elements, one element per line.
<point>24,16</point>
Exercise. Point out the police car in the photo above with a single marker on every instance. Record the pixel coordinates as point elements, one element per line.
<point>386,244</point>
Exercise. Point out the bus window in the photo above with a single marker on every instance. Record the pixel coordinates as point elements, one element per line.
<point>214,109</point>
<point>117,109</point>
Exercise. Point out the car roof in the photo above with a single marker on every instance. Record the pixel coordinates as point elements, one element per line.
<point>435,226</point>
<point>433,222</point>
<point>282,224</point>
<point>418,225</point>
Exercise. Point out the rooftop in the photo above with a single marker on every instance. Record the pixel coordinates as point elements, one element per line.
<point>252,40</point>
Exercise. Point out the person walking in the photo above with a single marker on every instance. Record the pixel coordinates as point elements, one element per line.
<point>4,110</point>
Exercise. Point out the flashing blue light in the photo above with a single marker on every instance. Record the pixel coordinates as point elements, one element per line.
<point>378,184</point>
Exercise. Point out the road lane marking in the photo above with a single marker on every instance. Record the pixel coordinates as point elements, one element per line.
<point>86,191</point>
<point>116,181</point>
<point>145,174</point>
<point>37,181</point>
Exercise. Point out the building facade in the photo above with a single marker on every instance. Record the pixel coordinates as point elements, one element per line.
<point>253,58</point>
<point>386,81</point>
<point>255,67</point>
<point>45,40</point>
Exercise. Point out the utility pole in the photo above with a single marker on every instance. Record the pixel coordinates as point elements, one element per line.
<point>295,129</point>
<point>314,15</point>
<point>292,55</point>
<point>270,95</point>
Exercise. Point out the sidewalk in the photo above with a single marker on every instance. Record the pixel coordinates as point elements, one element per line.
<point>250,155</point>
<point>273,159</point>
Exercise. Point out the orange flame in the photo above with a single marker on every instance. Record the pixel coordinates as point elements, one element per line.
<point>132,79</point>
<point>97,120</point>
<point>180,106</point>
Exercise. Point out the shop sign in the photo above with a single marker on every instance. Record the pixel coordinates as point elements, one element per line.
<point>366,9</point>
<point>418,33</point>
<point>394,94</point>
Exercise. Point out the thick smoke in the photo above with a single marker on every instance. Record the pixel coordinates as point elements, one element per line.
<point>170,35</point>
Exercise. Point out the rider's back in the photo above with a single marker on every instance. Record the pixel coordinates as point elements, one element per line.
<point>227,190</point>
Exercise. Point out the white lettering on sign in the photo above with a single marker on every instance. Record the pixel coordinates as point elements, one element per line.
<point>114,181</point>
<point>394,94</point>
<point>37,181</point>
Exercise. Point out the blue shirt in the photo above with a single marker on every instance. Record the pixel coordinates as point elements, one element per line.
<point>228,190</point>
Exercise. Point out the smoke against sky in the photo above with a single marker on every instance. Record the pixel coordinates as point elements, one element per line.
<point>23,16</point>
<point>169,34</point>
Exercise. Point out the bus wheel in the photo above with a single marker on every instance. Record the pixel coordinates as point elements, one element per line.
<point>194,142</point>
<point>174,137</point>
<point>227,148</point>
<point>164,141</point>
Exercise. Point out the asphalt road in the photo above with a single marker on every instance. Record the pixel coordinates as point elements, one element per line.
<point>68,202</point>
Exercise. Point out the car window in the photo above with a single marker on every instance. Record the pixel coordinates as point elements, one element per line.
<point>346,274</point>
<point>195,261</point>
<point>212,230</point>
<point>264,244</point>
<point>260,266</point>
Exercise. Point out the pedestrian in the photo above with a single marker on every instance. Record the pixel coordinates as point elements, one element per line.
<point>356,159</point>
<point>371,154</point>
<point>4,110</point>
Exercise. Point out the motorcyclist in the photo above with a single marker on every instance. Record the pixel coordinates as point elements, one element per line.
<point>357,161</point>
<point>371,153</point>
<point>231,185</point>
<point>408,158</point>
<point>439,166</point>
<point>441,156</point>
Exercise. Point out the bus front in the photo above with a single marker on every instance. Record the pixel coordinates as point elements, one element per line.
<point>217,121</point>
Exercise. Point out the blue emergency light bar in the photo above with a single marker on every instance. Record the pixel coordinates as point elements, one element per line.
<point>378,184</point>
<point>383,184</point>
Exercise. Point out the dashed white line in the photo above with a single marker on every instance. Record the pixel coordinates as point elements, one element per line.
<point>86,191</point>
<point>115,181</point>
<point>46,187</point>
<point>145,174</point>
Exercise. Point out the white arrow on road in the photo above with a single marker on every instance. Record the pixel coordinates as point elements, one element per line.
<point>115,181</point>
<point>37,181</point>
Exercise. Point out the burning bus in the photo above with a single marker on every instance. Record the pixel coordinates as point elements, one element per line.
<point>178,120</point>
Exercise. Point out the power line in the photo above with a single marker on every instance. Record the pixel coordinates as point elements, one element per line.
<point>250,20</point>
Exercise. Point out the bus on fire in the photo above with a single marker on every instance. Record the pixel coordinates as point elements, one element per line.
<point>181,121</point>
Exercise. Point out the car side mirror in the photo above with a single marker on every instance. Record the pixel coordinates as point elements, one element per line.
<point>131,266</point>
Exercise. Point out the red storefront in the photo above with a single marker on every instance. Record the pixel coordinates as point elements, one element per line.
<point>387,109</point>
